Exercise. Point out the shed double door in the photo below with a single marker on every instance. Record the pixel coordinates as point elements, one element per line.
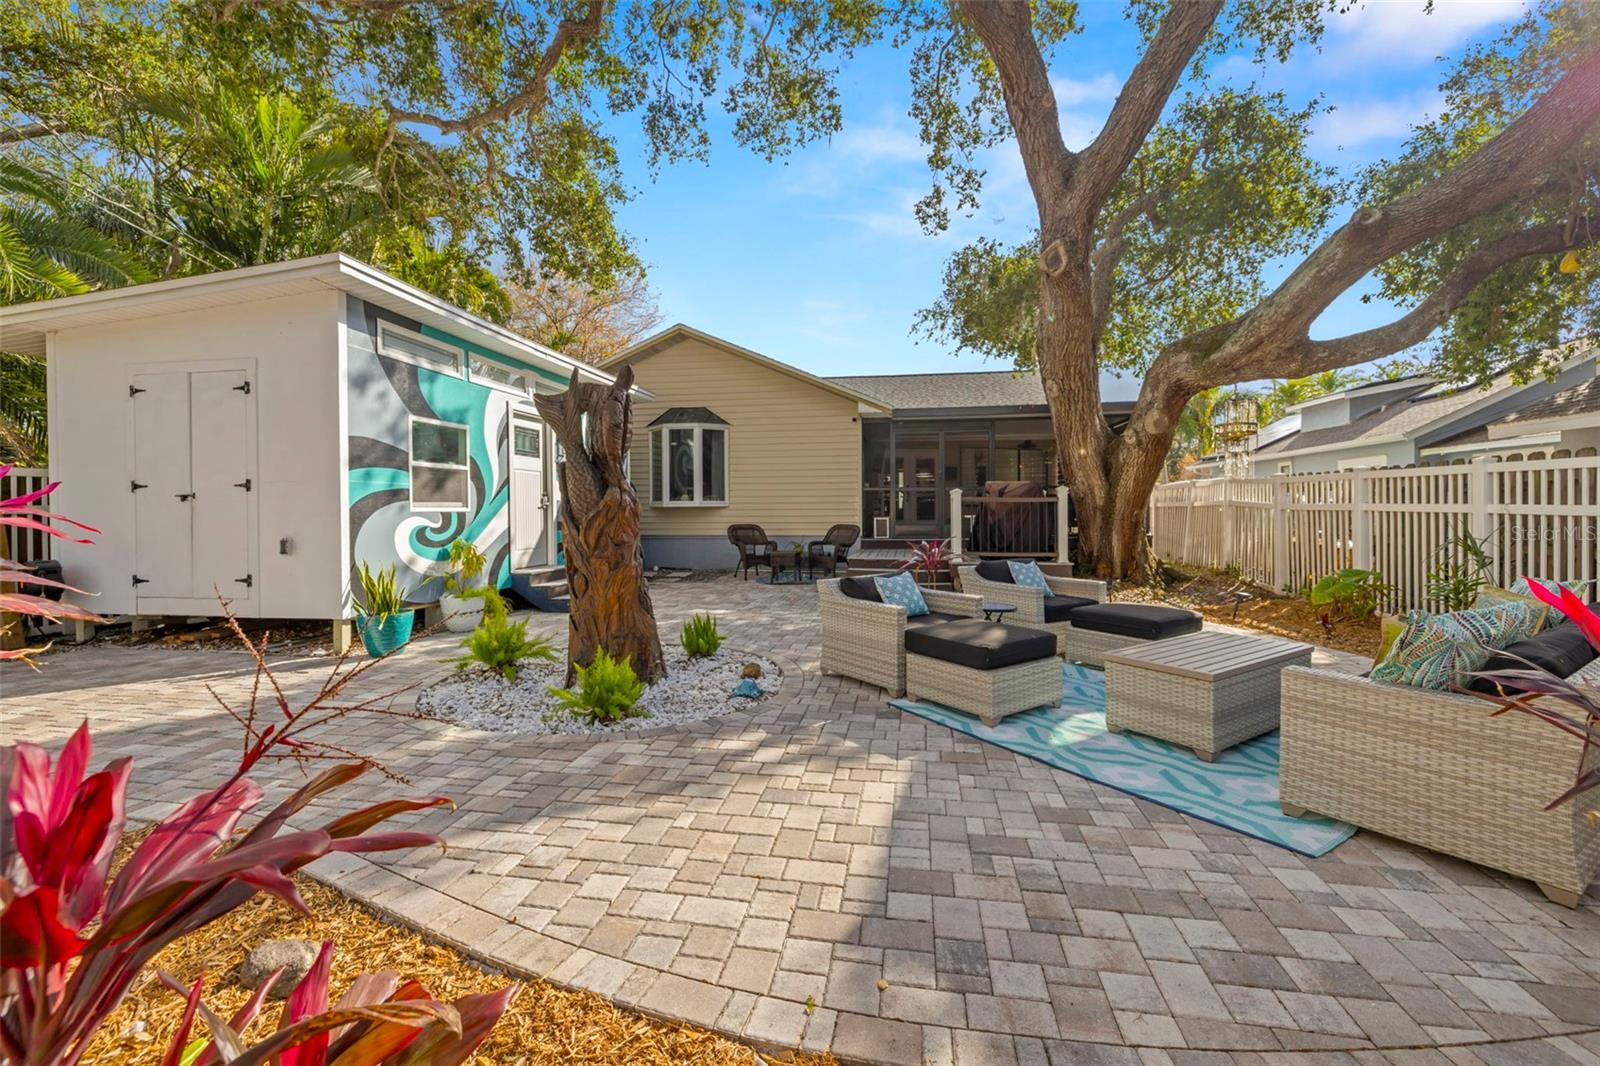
<point>193,448</point>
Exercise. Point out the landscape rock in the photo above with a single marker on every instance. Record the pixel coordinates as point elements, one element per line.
<point>294,957</point>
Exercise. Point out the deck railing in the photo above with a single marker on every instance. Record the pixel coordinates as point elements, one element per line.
<point>1011,527</point>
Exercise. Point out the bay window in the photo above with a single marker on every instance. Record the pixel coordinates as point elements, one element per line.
<point>689,459</point>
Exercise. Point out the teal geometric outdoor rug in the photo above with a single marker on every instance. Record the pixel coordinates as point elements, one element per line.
<point>1239,791</point>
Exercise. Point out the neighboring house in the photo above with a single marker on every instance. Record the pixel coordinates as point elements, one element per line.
<point>264,431</point>
<point>1413,420</point>
<point>1569,419</point>
<point>733,436</point>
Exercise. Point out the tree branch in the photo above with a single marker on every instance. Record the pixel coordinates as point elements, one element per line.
<point>1143,97</point>
<point>1511,165</point>
<point>534,93</point>
<point>27,131</point>
<point>1006,29</point>
<point>1414,326</point>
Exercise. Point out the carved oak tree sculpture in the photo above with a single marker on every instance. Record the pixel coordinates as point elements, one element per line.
<point>610,602</point>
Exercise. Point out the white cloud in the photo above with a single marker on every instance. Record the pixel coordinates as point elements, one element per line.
<point>1354,123</point>
<point>1070,92</point>
<point>889,142</point>
<point>1407,30</point>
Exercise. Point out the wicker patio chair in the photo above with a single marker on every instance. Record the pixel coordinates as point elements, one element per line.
<point>754,546</point>
<point>1032,610</point>
<point>833,548</point>
<point>866,640</point>
<point>1435,769</point>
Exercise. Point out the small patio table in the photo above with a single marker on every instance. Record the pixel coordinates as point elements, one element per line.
<point>996,612</point>
<point>782,560</point>
<point>1207,691</point>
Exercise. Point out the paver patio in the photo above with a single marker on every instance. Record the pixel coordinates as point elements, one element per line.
<point>830,873</point>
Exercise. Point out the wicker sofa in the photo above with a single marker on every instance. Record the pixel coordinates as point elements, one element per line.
<point>866,640</point>
<point>1434,768</point>
<point>1033,607</point>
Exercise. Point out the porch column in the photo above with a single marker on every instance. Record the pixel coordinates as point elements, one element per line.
<point>1063,527</point>
<point>955,523</point>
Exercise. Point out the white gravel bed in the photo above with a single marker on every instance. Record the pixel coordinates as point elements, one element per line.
<point>693,689</point>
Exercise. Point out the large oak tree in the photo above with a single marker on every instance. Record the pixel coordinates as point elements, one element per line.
<point>1153,239</point>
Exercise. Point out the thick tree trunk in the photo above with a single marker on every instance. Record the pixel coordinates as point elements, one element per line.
<point>610,600</point>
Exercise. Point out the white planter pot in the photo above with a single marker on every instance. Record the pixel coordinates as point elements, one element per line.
<point>461,613</point>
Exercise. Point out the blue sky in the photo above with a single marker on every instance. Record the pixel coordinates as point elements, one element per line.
<point>817,259</point>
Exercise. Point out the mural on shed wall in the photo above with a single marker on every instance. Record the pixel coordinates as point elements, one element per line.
<point>384,394</point>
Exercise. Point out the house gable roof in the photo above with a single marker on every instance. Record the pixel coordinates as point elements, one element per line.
<point>984,388</point>
<point>677,333</point>
<point>1570,408</point>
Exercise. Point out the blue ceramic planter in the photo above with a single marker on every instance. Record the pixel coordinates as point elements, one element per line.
<point>386,636</point>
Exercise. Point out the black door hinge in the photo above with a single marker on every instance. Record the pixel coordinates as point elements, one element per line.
<point>245,388</point>
<point>248,581</point>
<point>135,486</point>
<point>137,581</point>
<point>134,390</point>
<point>185,496</point>
<point>245,484</point>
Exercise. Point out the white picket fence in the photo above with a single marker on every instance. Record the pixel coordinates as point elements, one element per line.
<point>26,545</point>
<point>1542,518</point>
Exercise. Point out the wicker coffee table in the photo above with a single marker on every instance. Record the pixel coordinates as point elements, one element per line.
<point>1207,691</point>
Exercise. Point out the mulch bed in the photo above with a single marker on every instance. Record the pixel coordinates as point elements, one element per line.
<point>544,1024</point>
<point>1212,593</point>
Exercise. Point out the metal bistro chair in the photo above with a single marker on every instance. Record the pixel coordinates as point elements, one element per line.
<point>839,538</point>
<point>754,548</point>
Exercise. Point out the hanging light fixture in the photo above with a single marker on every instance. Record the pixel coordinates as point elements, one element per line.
<point>1234,428</point>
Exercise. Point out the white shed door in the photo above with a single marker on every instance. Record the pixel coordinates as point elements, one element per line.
<point>193,439</point>
<point>529,504</point>
<point>163,532</point>
<point>220,464</point>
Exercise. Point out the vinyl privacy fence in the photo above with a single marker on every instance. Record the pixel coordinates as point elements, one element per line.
<point>1541,518</point>
<point>25,545</point>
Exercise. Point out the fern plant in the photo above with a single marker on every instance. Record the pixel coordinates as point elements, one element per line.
<point>700,637</point>
<point>607,690</point>
<point>499,643</point>
<point>380,592</point>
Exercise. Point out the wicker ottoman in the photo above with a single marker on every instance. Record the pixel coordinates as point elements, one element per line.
<point>1103,627</point>
<point>1207,691</point>
<point>984,668</point>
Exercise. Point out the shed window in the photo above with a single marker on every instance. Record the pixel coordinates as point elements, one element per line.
<point>689,459</point>
<point>403,344</point>
<point>499,376</point>
<point>440,475</point>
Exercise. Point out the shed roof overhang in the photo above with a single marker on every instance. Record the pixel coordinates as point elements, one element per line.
<point>25,328</point>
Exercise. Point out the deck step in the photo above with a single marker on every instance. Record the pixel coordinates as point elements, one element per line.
<point>544,588</point>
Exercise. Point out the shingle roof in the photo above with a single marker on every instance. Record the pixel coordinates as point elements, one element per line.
<point>1582,399</point>
<point>1395,420</point>
<point>982,388</point>
<point>678,416</point>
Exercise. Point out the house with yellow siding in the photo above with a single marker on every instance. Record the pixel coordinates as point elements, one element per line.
<point>733,436</point>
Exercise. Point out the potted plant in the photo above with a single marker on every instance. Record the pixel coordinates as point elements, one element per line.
<point>384,619</point>
<point>461,605</point>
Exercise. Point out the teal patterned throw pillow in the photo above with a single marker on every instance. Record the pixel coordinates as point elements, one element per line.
<point>902,591</point>
<point>1579,589</point>
<point>1028,575</point>
<point>1437,651</point>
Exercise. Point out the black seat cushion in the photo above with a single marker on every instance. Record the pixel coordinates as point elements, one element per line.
<point>1058,608</point>
<point>1141,620</point>
<point>932,618</point>
<point>1562,650</point>
<point>981,645</point>
<point>860,588</point>
<point>996,570</point>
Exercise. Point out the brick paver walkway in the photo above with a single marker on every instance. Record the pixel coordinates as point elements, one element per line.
<point>831,873</point>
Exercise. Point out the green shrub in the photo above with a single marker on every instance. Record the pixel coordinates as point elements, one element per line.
<point>1349,593</point>
<point>380,593</point>
<point>466,563</point>
<point>607,690</point>
<point>700,637</point>
<point>498,642</point>
<point>1462,566</point>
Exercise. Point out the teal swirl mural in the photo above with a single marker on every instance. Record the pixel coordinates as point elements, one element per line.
<point>385,394</point>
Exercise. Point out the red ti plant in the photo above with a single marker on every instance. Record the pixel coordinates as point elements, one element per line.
<point>23,512</point>
<point>929,557</point>
<point>74,938</point>
<point>1572,707</point>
